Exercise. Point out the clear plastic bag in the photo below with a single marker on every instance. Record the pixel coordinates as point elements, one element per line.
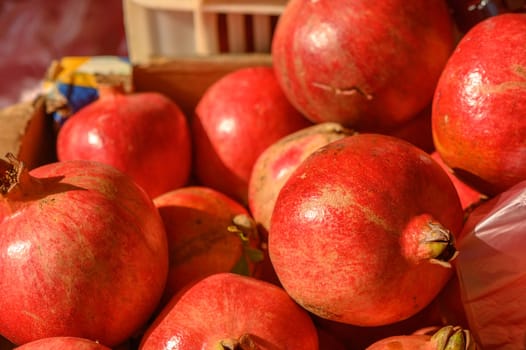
<point>491,267</point>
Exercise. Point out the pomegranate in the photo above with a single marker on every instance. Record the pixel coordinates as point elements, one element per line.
<point>365,64</point>
<point>63,342</point>
<point>363,230</point>
<point>236,119</point>
<point>208,232</point>
<point>275,164</point>
<point>446,338</point>
<point>228,311</point>
<point>145,135</point>
<point>83,252</point>
<point>479,104</point>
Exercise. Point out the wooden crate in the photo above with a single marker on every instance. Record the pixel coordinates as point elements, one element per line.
<point>179,28</point>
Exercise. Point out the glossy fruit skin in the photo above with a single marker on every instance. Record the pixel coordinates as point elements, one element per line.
<point>275,164</point>
<point>196,219</point>
<point>226,306</point>
<point>479,104</point>
<point>337,231</point>
<point>236,119</point>
<point>63,342</point>
<point>364,64</point>
<point>83,252</point>
<point>145,135</point>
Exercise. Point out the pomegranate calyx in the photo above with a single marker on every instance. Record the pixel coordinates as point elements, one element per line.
<point>439,241</point>
<point>10,172</point>
<point>453,338</point>
<point>245,342</point>
<point>245,227</point>
<point>425,239</point>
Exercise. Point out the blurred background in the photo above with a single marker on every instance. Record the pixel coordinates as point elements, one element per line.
<point>33,33</point>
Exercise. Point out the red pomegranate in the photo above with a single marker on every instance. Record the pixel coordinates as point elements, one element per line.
<point>237,118</point>
<point>275,164</point>
<point>363,230</point>
<point>447,337</point>
<point>62,343</point>
<point>84,252</point>
<point>365,64</point>
<point>231,311</point>
<point>479,105</point>
<point>208,232</point>
<point>143,134</point>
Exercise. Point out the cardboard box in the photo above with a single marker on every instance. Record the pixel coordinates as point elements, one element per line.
<point>27,133</point>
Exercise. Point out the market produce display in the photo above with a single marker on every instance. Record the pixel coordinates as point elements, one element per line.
<point>364,191</point>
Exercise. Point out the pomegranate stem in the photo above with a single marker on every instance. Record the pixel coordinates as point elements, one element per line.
<point>245,342</point>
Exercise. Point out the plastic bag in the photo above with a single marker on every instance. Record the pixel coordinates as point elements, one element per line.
<point>491,267</point>
<point>33,33</point>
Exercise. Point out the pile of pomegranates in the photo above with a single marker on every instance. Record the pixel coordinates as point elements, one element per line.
<point>366,191</point>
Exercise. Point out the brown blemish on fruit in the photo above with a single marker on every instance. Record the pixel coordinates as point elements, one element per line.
<point>519,70</point>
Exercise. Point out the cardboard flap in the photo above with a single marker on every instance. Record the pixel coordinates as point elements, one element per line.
<point>27,133</point>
